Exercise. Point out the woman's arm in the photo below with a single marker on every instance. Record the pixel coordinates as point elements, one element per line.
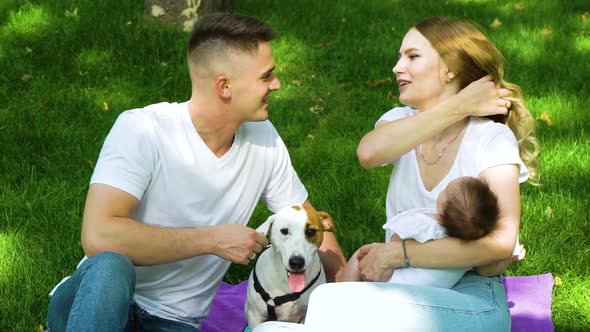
<point>451,252</point>
<point>498,267</point>
<point>390,140</point>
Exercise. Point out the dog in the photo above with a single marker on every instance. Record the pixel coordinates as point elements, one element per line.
<point>289,269</point>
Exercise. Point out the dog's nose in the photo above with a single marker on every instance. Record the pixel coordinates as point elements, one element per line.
<point>296,263</point>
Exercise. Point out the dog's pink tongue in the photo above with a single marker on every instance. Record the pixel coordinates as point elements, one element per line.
<point>296,281</point>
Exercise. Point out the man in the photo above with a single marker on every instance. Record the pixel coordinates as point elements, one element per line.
<point>175,185</point>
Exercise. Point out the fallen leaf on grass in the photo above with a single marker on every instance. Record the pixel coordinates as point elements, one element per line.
<point>495,24</point>
<point>316,109</point>
<point>549,212</point>
<point>188,25</point>
<point>157,11</point>
<point>189,12</point>
<point>90,163</point>
<point>296,82</point>
<point>310,136</point>
<point>26,77</point>
<point>518,7</point>
<point>558,281</point>
<point>71,13</point>
<point>546,32</point>
<point>546,118</point>
<point>28,50</point>
<point>105,106</point>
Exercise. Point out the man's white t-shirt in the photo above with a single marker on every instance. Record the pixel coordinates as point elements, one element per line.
<point>156,155</point>
<point>485,144</point>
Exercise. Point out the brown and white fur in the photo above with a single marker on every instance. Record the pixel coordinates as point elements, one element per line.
<point>295,234</point>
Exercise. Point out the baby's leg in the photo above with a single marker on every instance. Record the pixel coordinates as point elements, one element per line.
<point>351,269</point>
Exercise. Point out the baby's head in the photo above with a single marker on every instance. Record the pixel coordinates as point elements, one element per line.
<point>468,208</point>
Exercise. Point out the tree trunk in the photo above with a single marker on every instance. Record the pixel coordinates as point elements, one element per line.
<point>183,13</point>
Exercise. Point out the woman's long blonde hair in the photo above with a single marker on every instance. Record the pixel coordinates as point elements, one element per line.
<point>470,55</point>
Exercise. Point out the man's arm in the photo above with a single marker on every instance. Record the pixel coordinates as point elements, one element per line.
<point>108,227</point>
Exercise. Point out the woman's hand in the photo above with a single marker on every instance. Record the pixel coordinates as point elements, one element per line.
<point>500,266</point>
<point>375,261</point>
<point>482,98</point>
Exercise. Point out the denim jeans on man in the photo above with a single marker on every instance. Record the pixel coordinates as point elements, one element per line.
<point>99,297</point>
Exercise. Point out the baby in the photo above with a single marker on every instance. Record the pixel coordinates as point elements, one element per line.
<point>467,209</point>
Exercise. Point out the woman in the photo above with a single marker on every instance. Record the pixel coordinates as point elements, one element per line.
<point>463,119</point>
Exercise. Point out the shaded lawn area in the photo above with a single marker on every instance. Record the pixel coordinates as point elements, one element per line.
<point>68,68</point>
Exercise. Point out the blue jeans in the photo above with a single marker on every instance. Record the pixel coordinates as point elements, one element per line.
<point>475,303</point>
<point>99,297</point>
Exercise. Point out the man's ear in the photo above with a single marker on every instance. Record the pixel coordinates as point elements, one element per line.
<point>223,86</point>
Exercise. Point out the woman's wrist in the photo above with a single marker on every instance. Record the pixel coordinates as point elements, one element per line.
<point>396,254</point>
<point>455,108</point>
<point>406,259</point>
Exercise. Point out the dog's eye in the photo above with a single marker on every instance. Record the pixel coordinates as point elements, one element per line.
<point>310,232</point>
<point>284,231</point>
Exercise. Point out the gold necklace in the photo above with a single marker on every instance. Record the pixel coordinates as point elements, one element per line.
<point>441,152</point>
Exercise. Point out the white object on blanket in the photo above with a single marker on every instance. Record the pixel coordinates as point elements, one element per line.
<point>281,327</point>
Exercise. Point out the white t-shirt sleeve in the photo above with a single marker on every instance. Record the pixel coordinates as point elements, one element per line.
<point>500,148</point>
<point>128,156</point>
<point>284,187</point>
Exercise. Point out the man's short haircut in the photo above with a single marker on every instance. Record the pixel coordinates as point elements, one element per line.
<point>218,34</point>
<point>473,213</point>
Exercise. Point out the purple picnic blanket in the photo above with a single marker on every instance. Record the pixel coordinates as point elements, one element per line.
<point>529,302</point>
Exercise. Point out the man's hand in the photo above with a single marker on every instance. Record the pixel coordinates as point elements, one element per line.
<point>237,243</point>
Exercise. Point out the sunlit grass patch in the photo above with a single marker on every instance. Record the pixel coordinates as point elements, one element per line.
<point>29,20</point>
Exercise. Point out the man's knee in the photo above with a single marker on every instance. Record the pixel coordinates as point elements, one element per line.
<point>107,278</point>
<point>112,268</point>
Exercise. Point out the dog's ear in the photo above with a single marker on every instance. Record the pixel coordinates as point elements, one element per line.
<point>327,221</point>
<point>266,226</point>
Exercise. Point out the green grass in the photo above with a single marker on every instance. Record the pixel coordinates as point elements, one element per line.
<point>68,68</point>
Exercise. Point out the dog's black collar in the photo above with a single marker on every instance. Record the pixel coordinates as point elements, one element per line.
<point>273,302</point>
